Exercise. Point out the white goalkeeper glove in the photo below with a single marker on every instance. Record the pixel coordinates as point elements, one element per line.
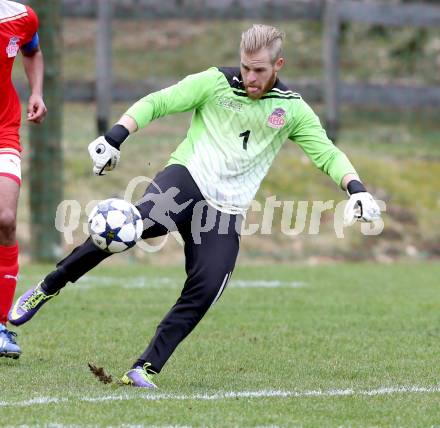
<point>104,151</point>
<point>104,156</point>
<point>361,206</point>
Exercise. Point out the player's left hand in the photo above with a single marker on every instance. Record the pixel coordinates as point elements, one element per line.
<point>36,109</point>
<point>361,206</point>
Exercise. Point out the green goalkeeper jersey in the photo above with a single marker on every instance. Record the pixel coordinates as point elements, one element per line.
<point>233,139</point>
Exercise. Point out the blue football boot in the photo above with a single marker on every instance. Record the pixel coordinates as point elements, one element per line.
<point>8,346</point>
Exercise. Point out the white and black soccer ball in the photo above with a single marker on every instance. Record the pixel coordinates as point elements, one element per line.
<point>115,225</point>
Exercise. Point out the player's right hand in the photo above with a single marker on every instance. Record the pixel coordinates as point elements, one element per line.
<point>104,156</point>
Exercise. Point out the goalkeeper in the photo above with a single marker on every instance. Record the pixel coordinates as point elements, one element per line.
<point>242,117</point>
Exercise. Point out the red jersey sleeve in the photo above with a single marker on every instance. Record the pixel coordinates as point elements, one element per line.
<point>32,24</point>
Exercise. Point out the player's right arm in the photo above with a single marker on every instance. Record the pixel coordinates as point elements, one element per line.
<point>34,67</point>
<point>188,94</point>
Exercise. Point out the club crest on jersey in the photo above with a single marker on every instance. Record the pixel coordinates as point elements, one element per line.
<point>12,48</point>
<point>276,119</point>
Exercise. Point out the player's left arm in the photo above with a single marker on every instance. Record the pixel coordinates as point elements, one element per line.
<point>309,134</point>
<point>34,67</point>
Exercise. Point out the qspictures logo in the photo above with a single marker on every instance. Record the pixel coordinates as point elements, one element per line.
<point>291,218</point>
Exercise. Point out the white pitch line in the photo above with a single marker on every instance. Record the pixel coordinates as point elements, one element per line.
<point>34,401</point>
<point>159,396</point>
<point>91,281</point>
<point>243,283</point>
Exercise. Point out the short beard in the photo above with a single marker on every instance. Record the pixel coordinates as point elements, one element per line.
<point>265,89</point>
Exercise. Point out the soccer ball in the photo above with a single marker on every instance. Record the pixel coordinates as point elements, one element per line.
<point>115,225</point>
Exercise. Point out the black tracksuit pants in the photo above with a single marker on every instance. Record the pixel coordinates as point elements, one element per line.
<point>211,244</point>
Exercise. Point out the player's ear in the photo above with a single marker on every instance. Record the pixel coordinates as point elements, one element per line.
<point>279,63</point>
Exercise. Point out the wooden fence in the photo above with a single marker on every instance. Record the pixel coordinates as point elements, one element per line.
<point>332,13</point>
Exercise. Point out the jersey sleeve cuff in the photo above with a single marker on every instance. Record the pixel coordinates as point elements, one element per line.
<point>141,112</point>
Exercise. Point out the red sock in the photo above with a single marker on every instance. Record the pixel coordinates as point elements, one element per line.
<point>8,279</point>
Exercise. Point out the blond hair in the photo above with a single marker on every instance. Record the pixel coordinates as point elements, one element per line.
<point>262,36</point>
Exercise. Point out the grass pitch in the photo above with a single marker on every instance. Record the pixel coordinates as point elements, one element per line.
<point>341,345</point>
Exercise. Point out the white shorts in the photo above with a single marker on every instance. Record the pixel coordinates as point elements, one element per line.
<point>10,164</point>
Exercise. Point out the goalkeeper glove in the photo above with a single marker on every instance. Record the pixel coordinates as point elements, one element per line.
<point>361,205</point>
<point>105,152</point>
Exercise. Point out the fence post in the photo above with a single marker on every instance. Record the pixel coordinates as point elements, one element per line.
<point>46,157</point>
<point>331,40</point>
<point>103,65</point>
